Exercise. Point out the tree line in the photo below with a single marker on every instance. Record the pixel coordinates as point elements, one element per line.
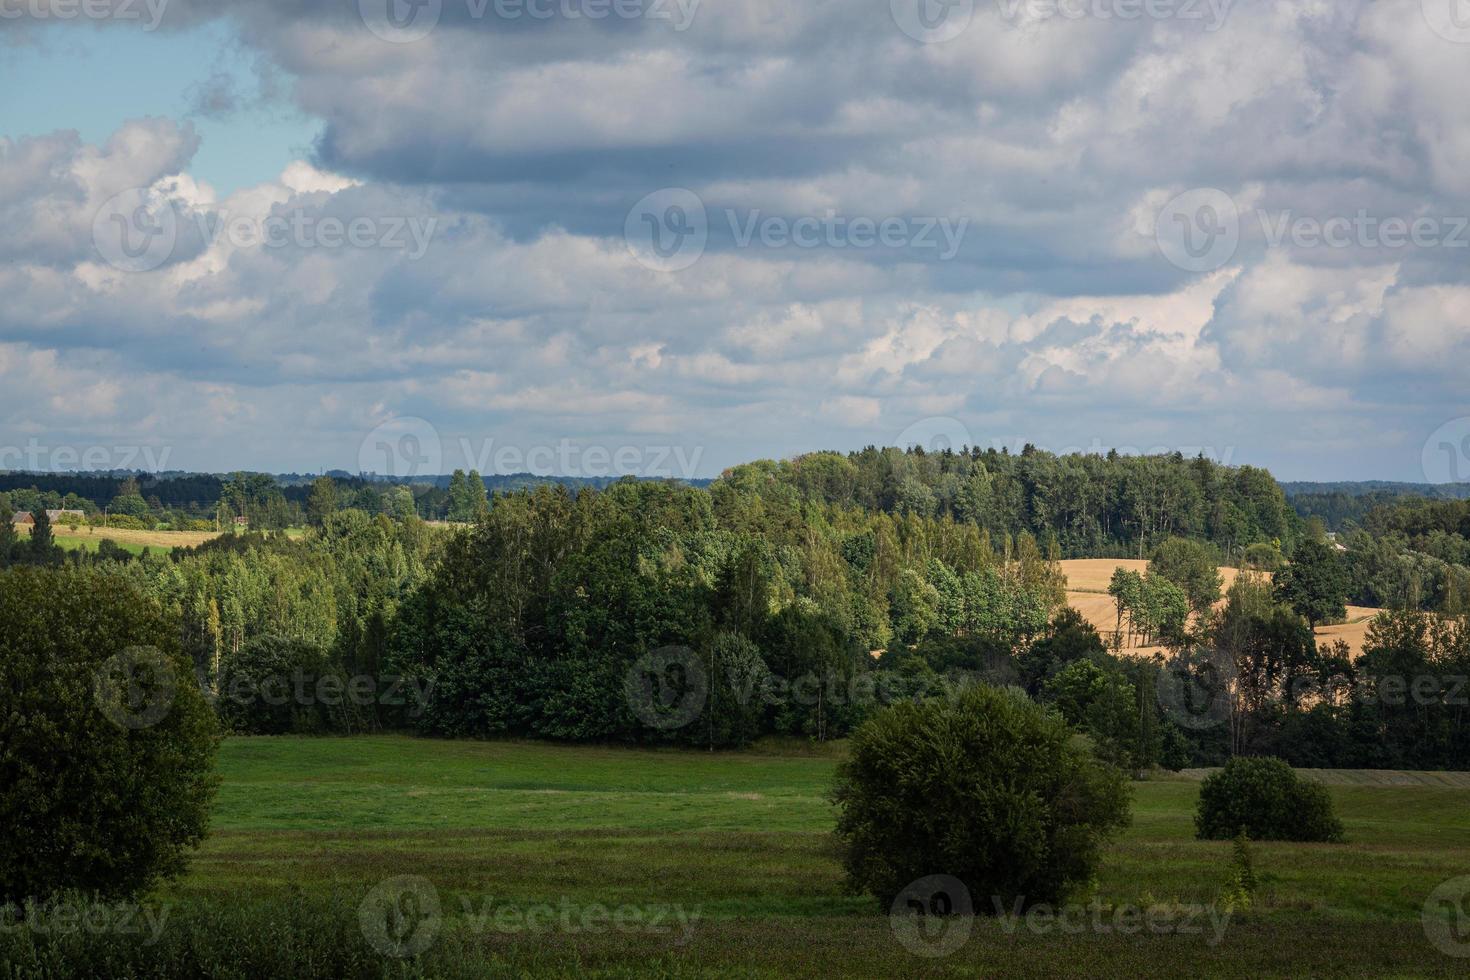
<point>798,608</point>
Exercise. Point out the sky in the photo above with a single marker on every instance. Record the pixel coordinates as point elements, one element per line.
<point>663,237</point>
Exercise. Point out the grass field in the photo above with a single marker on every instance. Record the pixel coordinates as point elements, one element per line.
<point>86,538</point>
<point>740,843</point>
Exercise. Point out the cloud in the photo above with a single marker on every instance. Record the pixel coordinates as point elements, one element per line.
<point>516,147</point>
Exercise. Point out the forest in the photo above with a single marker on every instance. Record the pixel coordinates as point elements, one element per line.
<point>801,595</point>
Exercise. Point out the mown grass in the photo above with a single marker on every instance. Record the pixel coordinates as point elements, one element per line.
<point>743,840</point>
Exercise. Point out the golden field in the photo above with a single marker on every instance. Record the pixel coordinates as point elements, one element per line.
<point>1087,592</point>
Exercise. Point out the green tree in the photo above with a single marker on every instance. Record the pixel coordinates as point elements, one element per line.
<point>1103,705</point>
<point>914,607</point>
<point>404,507</point>
<point>1068,639</point>
<point>467,500</point>
<point>273,685</point>
<point>1165,610</point>
<point>479,500</point>
<point>321,503</point>
<point>43,549</point>
<point>128,501</point>
<point>1315,583</point>
<point>988,787</point>
<point>1126,588</point>
<point>106,742</point>
<point>734,708</point>
<point>1267,800</point>
<point>1194,567</point>
<point>9,539</point>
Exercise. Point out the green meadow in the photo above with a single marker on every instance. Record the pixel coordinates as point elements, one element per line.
<point>735,849</point>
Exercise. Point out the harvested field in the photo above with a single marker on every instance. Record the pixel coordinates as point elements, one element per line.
<point>1087,592</point>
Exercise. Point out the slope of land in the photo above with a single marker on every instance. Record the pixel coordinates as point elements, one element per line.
<point>1087,592</point>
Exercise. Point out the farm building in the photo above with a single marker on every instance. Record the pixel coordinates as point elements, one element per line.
<point>22,519</point>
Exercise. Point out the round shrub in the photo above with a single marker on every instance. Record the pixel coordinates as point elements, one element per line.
<point>1267,800</point>
<point>987,787</point>
<point>106,742</point>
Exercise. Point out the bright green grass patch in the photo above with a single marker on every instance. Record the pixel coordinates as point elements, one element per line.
<point>78,542</point>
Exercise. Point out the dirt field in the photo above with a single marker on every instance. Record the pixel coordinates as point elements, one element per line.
<point>1087,592</point>
<point>1353,632</point>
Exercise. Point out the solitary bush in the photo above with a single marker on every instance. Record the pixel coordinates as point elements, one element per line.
<point>1266,799</point>
<point>987,787</point>
<point>106,742</point>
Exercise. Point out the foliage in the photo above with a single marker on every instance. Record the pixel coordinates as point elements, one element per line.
<point>1315,583</point>
<point>106,743</point>
<point>42,549</point>
<point>323,501</point>
<point>274,685</point>
<point>987,787</point>
<point>9,539</point>
<point>467,499</point>
<point>1154,608</point>
<point>1270,647</point>
<point>1242,881</point>
<point>1103,705</point>
<point>1264,798</point>
<point>1090,504</point>
<point>1263,557</point>
<point>1069,638</point>
<point>1191,565</point>
<point>531,621</point>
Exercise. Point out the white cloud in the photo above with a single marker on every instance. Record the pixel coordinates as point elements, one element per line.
<point>1060,319</point>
